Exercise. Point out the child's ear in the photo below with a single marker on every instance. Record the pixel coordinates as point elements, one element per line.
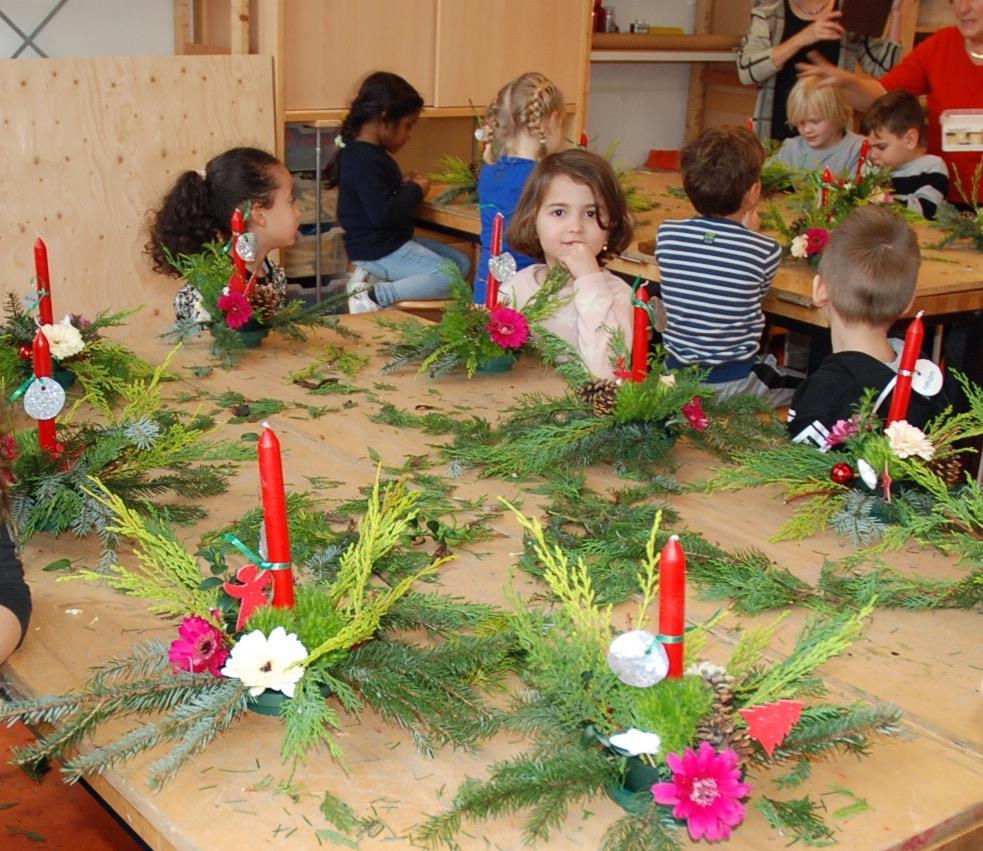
<point>911,138</point>
<point>752,196</point>
<point>820,293</point>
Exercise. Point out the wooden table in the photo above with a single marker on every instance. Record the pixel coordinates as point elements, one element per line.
<point>950,281</point>
<point>923,785</point>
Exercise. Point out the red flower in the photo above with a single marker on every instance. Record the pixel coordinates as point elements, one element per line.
<point>200,648</point>
<point>816,239</point>
<point>695,415</point>
<point>238,310</point>
<point>508,328</point>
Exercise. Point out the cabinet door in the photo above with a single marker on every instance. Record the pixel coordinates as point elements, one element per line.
<point>482,44</point>
<point>330,45</point>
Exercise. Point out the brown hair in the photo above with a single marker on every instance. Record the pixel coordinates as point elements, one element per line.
<point>582,167</point>
<point>719,167</point>
<point>870,266</point>
<point>522,104</point>
<point>810,100</point>
<point>897,112</point>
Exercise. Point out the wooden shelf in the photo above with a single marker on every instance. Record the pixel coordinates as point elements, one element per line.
<point>662,41</point>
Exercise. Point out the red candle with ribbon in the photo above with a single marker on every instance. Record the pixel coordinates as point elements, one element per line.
<point>862,160</point>
<point>275,518</point>
<point>827,179</point>
<point>237,283</point>
<point>42,280</point>
<point>640,336</point>
<point>491,286</point>
<point>909,356</point>
<point>672,603</point>
<point>47,434</point>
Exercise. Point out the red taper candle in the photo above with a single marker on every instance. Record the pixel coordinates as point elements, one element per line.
<point>275,518</point>
<point>237,283</point>
<point>491,285</point>
<point>862,160</point>
<point>42,280</point>
<point>827,179</point>
<point>672,603</point>
<point>47,435</point>
<point>640,338</point>
<point>909,355</point>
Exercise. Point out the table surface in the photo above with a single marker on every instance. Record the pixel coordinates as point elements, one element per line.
<point>927,782</point>
<point>950,281</point>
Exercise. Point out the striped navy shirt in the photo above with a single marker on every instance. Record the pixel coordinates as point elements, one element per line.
<point>920,184</point>
<point>715,272</point>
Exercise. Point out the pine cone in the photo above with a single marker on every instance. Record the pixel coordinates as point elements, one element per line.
<point>265,301</point>
<point>721,727</point>
<point>602,395</point>
<point>949,469</point>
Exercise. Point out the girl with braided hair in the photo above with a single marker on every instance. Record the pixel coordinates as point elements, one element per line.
<point>523,124</point>
<point>376,201</point>
<point>198,209</point>
<point>15,596</point>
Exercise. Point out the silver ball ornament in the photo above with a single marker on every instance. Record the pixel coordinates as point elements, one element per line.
<point>502,266</point>
<point>44,399</point>
<point>246,246</point>
<point>638,658</point>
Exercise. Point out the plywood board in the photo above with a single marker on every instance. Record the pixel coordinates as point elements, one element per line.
<point>90,146</point>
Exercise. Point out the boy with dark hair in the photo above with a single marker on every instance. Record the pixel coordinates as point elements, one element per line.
<point>895,128</point>
<point>866,281</point>
<point>716,268</point>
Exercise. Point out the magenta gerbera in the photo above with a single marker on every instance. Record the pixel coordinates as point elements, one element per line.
<point>508,328</point>
<point>706,790</point>
<point>816,239</point>
<point>238,310</point>
<point>841,430</point>
<point>200,647</point>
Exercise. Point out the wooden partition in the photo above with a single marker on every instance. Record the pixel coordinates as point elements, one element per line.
<point>90,145</point>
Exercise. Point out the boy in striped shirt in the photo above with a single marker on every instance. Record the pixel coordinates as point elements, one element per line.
<point>716,269</point>
<point>895,128</point>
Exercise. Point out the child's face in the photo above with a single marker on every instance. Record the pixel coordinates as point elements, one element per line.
<point>568,221</point>
<point>275,226</point>
<point>394,134</point>
<point>819,133</point>
<point>887,149</point>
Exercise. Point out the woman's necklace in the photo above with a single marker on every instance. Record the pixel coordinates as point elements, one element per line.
<point>805,10</point>
<point>977,56</point>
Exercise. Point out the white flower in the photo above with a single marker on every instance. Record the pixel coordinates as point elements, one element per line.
<point>63,340</point>
<point>879,196</point>
<point>907,440</point>
<point>267,663</point>
<point>867,473</point>
<point>668,379</point>
<point>798,246</point>
<point>635,742</point>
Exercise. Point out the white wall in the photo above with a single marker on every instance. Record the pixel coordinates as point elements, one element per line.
<point>90,28</point>
<point>640,105</point>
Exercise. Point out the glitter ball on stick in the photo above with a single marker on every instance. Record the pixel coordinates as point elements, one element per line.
<point>502,266</point>
<point>246,246</point>
<point>44,399</point>
<point>638,658</point>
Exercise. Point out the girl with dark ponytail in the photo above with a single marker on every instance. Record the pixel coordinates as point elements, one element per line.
<point>376,202</point>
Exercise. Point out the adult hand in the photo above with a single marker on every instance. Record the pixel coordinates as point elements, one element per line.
<point>825,71</point>
<point>826,27</point>
<point>578,260</point>
<point>419,180</point>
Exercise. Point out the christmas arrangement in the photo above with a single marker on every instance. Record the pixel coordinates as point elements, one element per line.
<point>677,745</point>
<point>254,639</point>
<point>883,483</point>
<point>960,225</point>
<point>76,346</point>
<point>471,337</point>
<point>236,308</point>
<point>820,203</point>
<point>141,454</point>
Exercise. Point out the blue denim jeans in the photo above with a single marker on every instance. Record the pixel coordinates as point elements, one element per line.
<point>418,269</point>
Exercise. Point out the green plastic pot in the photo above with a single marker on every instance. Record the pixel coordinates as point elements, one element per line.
<point>493,366</point>
<point>270,702</point>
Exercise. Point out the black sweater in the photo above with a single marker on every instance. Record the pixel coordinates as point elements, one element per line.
<point>375,206</point>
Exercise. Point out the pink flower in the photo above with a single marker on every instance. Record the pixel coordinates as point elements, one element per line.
<point>706,790</point>
<point>816,239</point>
<point>238,310</point>
<point>841,430</point>
<point>508,328</point>
<point>694,413</point>
<point>201,647</point>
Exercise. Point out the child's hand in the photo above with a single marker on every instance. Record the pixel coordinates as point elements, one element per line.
<point>578,260</point>
<point>420,180</point>
<point>752,220</point>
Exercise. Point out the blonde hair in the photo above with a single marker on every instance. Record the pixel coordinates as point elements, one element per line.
<point>808,100</point>
<point>522,104</point>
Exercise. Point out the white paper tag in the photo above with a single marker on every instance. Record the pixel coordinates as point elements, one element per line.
<point>926,378</point>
